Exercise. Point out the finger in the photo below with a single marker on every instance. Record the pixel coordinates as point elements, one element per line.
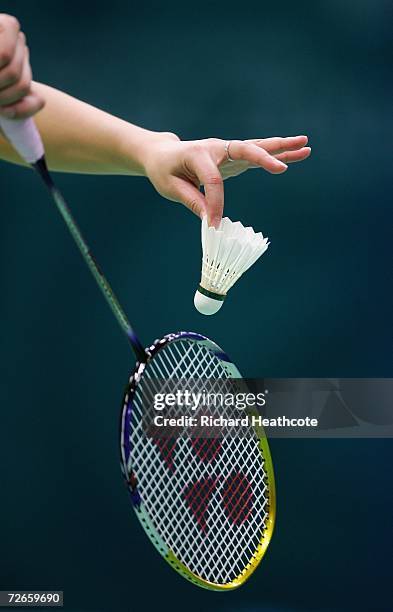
<point>289,157</point>
<point>278,145</point>
<point>190,196</point>
<point>256,156</point>
<point>9,28</point>
<point>27,107</point>
<point>201,164</point>
<point>12,74</point>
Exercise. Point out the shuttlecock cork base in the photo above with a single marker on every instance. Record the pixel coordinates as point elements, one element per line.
<point>207,302</point>
<point>227,252</point>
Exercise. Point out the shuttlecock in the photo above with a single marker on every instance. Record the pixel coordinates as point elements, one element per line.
<point>227,252</point>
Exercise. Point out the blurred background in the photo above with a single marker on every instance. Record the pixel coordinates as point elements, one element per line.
<point>319,304</point>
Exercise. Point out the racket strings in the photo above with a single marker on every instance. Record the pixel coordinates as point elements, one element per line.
<point>206,497</point>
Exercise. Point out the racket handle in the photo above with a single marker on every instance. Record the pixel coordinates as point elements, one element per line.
<point>24,137</point>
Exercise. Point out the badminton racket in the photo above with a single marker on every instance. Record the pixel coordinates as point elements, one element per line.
<point>206,503</point>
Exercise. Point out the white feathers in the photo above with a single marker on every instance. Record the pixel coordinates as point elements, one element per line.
<point>227,253</point>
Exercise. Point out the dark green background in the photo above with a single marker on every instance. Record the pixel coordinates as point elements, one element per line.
<point>320,303</point>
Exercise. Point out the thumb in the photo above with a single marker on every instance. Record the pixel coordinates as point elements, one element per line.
<point>190,196</point>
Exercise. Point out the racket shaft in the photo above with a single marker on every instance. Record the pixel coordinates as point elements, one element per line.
<point>100,279</point>
<point>25,138</point>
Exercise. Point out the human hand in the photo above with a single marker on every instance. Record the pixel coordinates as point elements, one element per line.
<point>177,168</point>
<point>18,100</point>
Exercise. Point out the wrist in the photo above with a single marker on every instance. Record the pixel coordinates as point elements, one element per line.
<point>135,146</point>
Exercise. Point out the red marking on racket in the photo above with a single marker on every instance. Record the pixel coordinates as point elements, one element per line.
<point>206,449</point>
<point>237,496</point>
<point>167,447</point>
<point>198,495</point>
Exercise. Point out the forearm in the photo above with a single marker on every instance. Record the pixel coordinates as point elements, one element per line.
<point>81,138</point>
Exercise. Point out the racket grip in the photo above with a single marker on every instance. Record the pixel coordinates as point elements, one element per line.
<point>24,137</point>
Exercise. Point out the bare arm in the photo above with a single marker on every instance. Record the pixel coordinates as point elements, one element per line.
<point>81,138</point>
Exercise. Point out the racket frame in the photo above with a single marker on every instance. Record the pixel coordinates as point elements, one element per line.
<point>132,486</point>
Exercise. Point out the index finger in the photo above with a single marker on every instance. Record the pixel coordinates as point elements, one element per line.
<point>9,29</point>
<point>210,177</point>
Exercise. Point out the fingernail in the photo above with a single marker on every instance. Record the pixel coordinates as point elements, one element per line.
<point>8,112</point>
<point>215,222</point>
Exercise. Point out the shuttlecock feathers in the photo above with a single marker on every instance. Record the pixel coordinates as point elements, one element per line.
<point>227,252</point>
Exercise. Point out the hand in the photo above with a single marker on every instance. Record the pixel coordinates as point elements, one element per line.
<point>178,169</point>
<point>18,99</point>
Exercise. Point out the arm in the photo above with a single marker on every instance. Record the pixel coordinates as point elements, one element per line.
<point>81,138</point>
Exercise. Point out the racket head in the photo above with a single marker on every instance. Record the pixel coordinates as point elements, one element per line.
<point>172,523</point>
